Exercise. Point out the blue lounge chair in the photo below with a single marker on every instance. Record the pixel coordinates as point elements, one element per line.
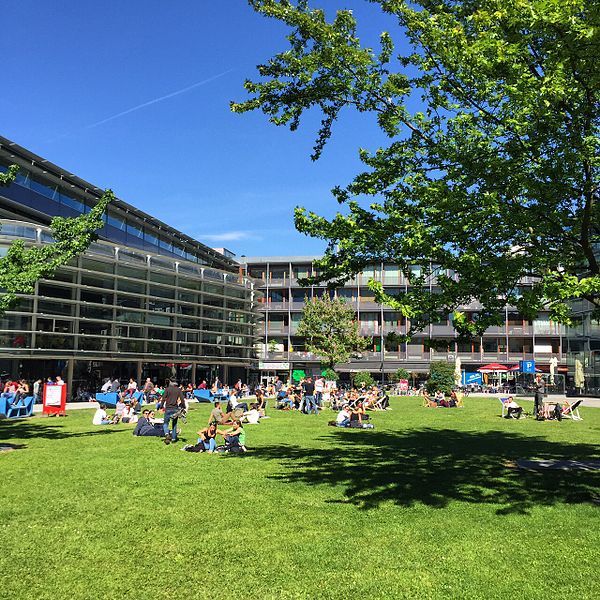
<point>203,395</point>
<point>108,399</point>
<point>13,410</point>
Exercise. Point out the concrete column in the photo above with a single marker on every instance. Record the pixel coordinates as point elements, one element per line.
<point>139,372</point>
<point>70,368</point>
<point>193,376</point>
<point>226,375</point>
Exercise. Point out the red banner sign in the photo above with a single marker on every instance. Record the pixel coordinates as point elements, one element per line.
<point>54,399</point>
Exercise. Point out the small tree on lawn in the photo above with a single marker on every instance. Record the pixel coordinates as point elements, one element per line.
<point>441,377</point>
<point>362,379</point>
<point>331,330</point>
<point>402,374</point>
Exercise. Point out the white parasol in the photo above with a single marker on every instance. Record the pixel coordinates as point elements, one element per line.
<point>553,365</point>
<point>579,375</point>
<point>457,371</point>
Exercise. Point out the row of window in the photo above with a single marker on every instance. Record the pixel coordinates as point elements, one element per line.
<point>516,346</point>
<point>23,341</point>
<point>118,228</point>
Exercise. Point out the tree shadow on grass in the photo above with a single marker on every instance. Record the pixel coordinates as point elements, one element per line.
<point>435,467</point>
<point>23,429</point>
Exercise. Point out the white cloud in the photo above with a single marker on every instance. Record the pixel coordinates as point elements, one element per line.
<point>228,236</point>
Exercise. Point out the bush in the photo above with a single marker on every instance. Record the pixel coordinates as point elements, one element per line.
<point>330,375</point>
<point>400,374</point>
<point>441,377</point>
<point>364,378</point>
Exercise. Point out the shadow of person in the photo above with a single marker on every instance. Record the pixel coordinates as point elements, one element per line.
<point>435,467</point>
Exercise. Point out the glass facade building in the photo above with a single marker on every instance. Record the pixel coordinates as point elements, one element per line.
<point>144,300</point>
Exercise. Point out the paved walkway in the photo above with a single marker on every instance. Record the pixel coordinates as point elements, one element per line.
<point>587,402</point>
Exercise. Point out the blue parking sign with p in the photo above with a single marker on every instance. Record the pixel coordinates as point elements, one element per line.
<point>527,366</point>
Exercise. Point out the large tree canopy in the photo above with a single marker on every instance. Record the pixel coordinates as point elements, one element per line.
<point>22,266</point>
<point>492,180</point>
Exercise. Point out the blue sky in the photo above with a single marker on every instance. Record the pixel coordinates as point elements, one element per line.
<point>73,70</point>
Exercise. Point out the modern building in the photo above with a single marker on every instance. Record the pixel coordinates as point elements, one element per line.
<point>583,351</point>
<point>145,300</point>
<point>281,350</point>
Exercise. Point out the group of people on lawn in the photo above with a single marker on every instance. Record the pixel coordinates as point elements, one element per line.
<point>440,400</point>
<point>310,396</point>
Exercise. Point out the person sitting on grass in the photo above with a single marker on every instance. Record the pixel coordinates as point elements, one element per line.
<point>235,438</point>
<point>253,415</point>
<point>343,417</point>
<point>101,417</point>
<point>207,437</point>
<point>358,413</point>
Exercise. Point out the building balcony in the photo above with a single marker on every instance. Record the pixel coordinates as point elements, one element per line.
<point>369,331</point>
<point>276,305</point>
<point>442,331</point>
<point>279,283</point>
<point>282,330</point>
<point>367,355</point>
<point>304,356</point>
<point>273,356</point>
<point>520,330</point>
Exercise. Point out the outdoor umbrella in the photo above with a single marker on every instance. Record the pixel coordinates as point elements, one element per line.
<point>457,371</point>
<point>493,368</point>
<point>579,376</point>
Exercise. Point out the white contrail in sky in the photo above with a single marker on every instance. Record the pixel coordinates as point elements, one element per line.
<point>159,99</point>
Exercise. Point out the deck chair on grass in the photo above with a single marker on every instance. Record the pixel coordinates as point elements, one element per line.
<point>571,411</point>
<point>504,401</point>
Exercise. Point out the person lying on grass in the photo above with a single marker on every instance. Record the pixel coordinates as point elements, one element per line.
<point>146,428</point>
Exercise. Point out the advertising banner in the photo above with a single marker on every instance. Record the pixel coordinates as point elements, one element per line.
<point>471,378</point>
<point>403,385</point>
<point>54,399</point>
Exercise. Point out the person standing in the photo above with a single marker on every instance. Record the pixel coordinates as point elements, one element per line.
<point>540,392</point>
<point>308,387</point>
<point>319,386</point>
<point>172,398</point>
<point>37,391</point>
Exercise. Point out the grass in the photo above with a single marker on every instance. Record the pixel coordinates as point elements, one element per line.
<point>427,505</point>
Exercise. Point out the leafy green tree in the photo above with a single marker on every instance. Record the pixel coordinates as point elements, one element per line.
<point>493,177</point>
<point>399,374</point>
<point>441,377</point>
<point>22,266</point>
<point>331,330</point>
<point>330,375</point>
<point>362,378</point>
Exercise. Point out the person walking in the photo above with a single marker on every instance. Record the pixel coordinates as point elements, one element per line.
<point>172,399</point>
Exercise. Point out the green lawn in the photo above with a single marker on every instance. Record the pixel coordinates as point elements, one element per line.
<point>427,505</point>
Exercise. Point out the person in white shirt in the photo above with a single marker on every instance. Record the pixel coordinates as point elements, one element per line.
<point>252,416</point>
<point>344,416</point>
<point>319,386</point>
<point>106,387</point>
<point>100,417</point>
